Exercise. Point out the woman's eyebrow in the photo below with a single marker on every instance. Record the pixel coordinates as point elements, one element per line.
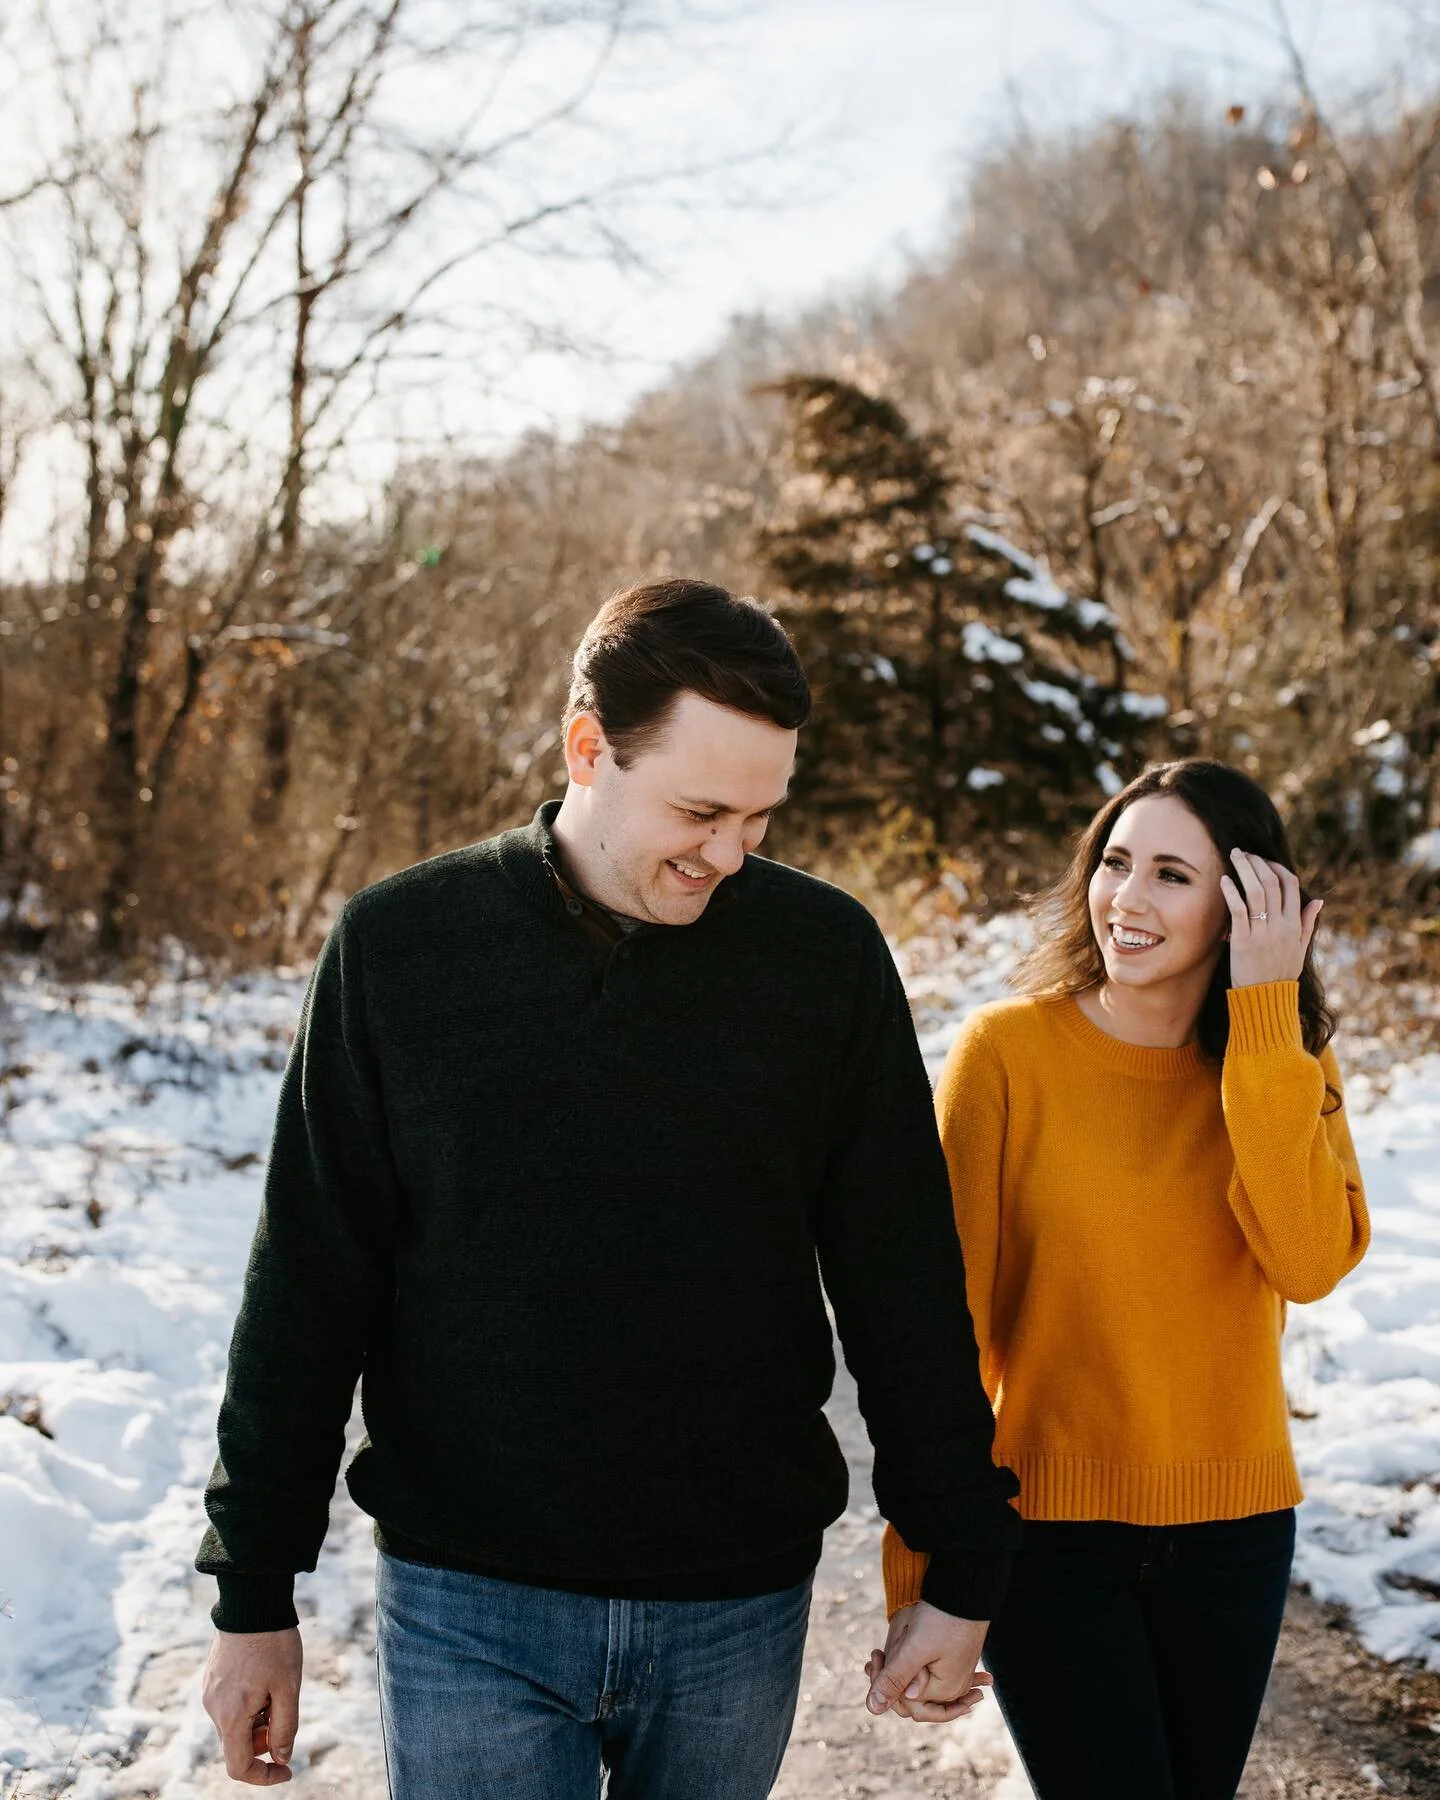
<point>1161,856</point>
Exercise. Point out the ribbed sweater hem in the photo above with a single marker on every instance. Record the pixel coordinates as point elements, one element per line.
<point>769,1575</point>
<point>1082,1488</point>
<point>1188,1493</point>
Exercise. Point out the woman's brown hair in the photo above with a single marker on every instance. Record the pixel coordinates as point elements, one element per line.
<point>1239,815</point>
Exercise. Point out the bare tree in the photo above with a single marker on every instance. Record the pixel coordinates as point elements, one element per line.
<point>223,308</point>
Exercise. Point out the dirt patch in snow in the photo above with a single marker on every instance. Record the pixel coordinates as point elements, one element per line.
<point>1340,1724</point>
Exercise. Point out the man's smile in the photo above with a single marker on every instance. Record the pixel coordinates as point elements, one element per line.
<point>694,875</point>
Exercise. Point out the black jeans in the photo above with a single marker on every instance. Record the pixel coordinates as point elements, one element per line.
<point>1130,1661</point>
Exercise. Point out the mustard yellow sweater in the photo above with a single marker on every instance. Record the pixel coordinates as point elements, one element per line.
<point>1133,1222</point>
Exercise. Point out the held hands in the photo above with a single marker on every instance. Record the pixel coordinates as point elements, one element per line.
<point>1270,929</point>
<point>927,1669</point>
<point>252,1694</point>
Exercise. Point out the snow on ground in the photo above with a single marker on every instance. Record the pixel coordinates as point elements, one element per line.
<point>1363,1372</point>
<point>133,1130</point>
<point>132,1137</point>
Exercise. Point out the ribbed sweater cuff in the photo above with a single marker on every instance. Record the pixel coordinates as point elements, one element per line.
<point>903,1570</point>
<point>969,1585</point>
<point>1266,1017</point>
<point>255,1603</point>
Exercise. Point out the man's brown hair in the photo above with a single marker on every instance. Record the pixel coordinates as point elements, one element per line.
<point>652,642</point>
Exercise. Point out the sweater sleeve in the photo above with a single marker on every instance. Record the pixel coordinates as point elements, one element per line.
<point>971,1104</point>
<point>894,1272</point>
<point>320,1269</point>
<point>1296,1192</point>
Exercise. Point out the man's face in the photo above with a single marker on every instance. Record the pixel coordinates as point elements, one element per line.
<point>662,834</point>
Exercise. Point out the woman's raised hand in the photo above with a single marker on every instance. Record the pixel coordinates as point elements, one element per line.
<point>1270,928</point>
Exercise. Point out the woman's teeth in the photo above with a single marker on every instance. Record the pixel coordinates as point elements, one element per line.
<point>690,874</point>
<point>1133,940</point>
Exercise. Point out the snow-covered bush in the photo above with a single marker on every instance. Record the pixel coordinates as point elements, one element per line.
<point>956,678</point>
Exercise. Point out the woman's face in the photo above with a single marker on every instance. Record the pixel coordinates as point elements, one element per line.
<point>1155,902</point>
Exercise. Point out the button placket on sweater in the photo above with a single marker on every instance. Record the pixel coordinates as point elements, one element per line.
<point>625,973</point>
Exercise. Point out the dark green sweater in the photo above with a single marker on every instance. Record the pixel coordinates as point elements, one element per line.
<point>565,1206</point>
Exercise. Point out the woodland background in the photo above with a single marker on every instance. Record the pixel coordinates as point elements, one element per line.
<point>1145,461</point>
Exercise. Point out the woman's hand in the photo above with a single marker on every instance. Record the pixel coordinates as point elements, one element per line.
<point>928,1669</point>
<point>1270,930</point>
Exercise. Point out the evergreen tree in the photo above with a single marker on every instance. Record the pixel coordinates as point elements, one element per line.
<point>954,677</point>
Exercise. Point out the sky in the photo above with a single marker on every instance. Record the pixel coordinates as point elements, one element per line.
<point>888,103</point>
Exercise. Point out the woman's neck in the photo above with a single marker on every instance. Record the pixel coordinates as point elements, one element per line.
<point>1153,1018</point>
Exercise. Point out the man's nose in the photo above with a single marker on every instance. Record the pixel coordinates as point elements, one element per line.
<point>725,852</point>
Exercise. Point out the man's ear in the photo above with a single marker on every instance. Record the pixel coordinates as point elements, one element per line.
<point>584,746</point>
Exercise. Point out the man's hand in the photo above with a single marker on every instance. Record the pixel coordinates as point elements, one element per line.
<point>927,1669</point>
<point>252,1694</point>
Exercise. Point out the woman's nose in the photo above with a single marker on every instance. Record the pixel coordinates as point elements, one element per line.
<point>1121,896</point>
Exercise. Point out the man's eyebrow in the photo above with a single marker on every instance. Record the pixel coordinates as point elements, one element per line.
<point>719,806</point>
<point>1162,856</point>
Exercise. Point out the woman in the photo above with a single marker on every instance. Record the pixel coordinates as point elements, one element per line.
<point>1150,1158</point>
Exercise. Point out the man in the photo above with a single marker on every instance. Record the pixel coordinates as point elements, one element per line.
<point>575,1121</point>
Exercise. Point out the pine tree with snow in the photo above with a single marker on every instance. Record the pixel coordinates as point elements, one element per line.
<point>955,678</point>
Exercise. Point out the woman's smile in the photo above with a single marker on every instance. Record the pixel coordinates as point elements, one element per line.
<point>1130,942</point>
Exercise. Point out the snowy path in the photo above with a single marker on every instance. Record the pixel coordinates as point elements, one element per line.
<point>131,1140</point>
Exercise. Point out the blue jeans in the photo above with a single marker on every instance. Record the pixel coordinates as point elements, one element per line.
<point>490,1687</point>
<point>1130,1661</point>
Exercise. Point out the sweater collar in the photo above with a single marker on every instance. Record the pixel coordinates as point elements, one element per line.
<point>1141,1060</point>
<point>530,858</point>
